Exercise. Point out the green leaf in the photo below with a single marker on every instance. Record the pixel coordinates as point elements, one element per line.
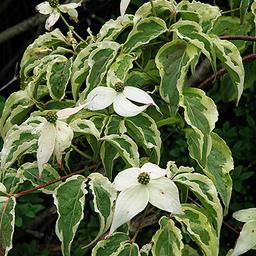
<point>104,196</point>
<point>140,79</point>
<point>99,62</point>
<point>20,140</point>
<point>173,61</point>
<point>7,222</point>
<point>110,247</point>
<point>70,208</point>
<point>143,129</point>
<point>200,110</point>
<point>15,111</point>
<point>205,191</point>
<point>113,28</point>
<point>246,239</point>
<point>219,164</point>
<point>143,32</point>
<point>192,32</point>
<point>80,69</point>
<point>29,171</point>
<point>11,180</point>
<point>119,69</point>
<point>231,59</point>
<point>167,240</point>
<point>199,228</point>
<point>126,148</point>
<point>57,76</point>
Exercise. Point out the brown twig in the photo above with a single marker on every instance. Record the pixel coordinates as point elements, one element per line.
<point>223,71</point>
<point>238,37</point>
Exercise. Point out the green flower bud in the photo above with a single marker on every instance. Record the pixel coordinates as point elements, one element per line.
<point>53,3</point>
<point>119,86</point>
<point>143,178</point>
<point>51,117</point>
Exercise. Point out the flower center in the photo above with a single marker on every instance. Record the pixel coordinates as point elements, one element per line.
<point>143,178</point>
<point>53,3</point>
<point>51,117</point>
<point>119,87</point>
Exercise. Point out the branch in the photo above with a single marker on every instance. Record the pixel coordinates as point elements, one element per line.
<point>222,71</point>
<point>238,37</point>
<point>21,27</point>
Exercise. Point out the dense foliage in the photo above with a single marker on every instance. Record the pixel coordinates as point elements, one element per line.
<point>66,146</point>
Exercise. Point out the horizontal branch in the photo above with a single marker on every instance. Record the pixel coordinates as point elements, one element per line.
<point>238,37</point>
<point>222,71</point>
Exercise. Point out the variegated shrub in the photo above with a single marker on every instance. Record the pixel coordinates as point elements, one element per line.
<point>139,63</point>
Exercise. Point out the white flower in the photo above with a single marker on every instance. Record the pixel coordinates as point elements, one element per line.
<point>53,9</point>
<point>139,186</point>
<point>55,136</point>
<point>101,97</point>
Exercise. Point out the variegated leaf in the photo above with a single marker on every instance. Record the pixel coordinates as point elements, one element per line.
<point>29,172</point>
<point>115,125</point>
<point>205,191</point>
<point>103,199</point>
<point>245,215</point>
<point>126,147</point>
<point>112,28</point>
<point>85,127</point>
<point>162,8</point>
<point>199,228</point>
<point>143,32</point>
<point>143,129</point>
<point>11,180</point>
<point>199,145</point>
<point>20,140</point>
<point>99,62</point>
<point>57,76</point>
<point>173,61</point>
<point>200,110</point>
<point>167,240</point>
<point>192,32</point>
<point>80,69</point>
<point>231,59</point>
<point>16,109</point>
<point>219,164</point>
<point>207,14</point>
<point>40,48</point>
<point>70,208</point>
<point>110,246</point>
<point>119,69</point>
<point>7,222</point>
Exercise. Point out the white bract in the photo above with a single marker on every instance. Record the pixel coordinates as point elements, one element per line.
<point>247,238</point>
<point>123,6</point>
<point>139,186</point>
<point>53,9</point>
<point>101,97</point>
<point>55,136</point>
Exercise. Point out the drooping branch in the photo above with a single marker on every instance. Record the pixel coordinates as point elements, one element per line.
<point>222,71</point>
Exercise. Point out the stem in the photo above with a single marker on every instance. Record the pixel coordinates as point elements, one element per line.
<point>142,219</point>
<point>71,28</point>
<point>222,71</point>
<point>235,9</point>
<point>81,153</point>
